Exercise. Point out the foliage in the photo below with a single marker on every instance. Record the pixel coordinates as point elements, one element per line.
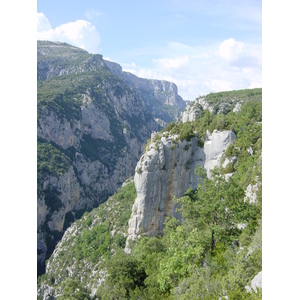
<point>248,118</point>
<point>215,250</point>
<point>231,97</point>
<point>74,290</point>
<point>187,132</point>
<point>125,274</point>
<point>93,243</point>
<point>64,94</point>
<point>98,234</point>
<point>50,161</point>
<point>209,254</point>
<point>203,257</point>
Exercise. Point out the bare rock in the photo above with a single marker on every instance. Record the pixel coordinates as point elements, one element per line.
<point>167,170</point>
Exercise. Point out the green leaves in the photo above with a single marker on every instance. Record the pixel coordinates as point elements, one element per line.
<point>184,253</point>
<point>74,290</point>
<point>125,274</point>
<point>50,161</point>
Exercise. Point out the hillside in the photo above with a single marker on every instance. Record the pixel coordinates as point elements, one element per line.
<point>92,127</point>
<point>200,240</point>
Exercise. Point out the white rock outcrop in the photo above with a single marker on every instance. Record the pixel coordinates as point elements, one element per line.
<point>167,170</point>
<point>214,146</point>
<point>191,113</point>
<point>256,283</point>
<point>251,192</point>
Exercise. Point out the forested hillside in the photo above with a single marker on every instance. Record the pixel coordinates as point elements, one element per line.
<point>213,252</point>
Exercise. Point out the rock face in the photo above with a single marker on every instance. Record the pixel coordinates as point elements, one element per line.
<point>191,113</point>
<point>156,94</point>
<point>256,283</point>
<point>214,146</point>
<point>167,170</point>
<point>222,102</point>
<point>251,192</point>
<point>58,59</point>
<point>92,127</point>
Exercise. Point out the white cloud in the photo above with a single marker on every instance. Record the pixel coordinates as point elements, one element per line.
<point>43,23</point>
<point>196,70</point>
<point>80,33</point>
<point>238,54</point>
<point>172,63</point>
<point>219,85</point>
<point>91,14</point>
<point>231,50</point>
<point>199,70</point>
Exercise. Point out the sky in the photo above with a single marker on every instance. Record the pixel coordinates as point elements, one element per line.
<point>202,46</point>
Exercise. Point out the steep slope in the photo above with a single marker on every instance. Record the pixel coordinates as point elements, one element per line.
<point>212,252</point>
<point>166,171</point>
<point>87,243</point>
<point>92,127</point>
<point>161,97</point>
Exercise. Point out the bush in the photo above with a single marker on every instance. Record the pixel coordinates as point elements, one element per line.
<point>228,168</point>
<point>186,132</point>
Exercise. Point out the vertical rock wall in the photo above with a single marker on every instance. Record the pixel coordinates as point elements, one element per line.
<point>166,171</point>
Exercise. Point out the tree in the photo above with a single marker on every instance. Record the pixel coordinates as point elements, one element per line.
<point>73,290</point>
<point>126,276</point>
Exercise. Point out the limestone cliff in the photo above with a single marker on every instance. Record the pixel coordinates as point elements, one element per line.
<point>166,170</point>
<point>92,127</point>
<point>219,103</point>
<point>58,59</point>
<point>160,96</point>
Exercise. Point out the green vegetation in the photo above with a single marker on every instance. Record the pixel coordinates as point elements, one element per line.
<point>246,124</point>
<point>225,101</point>
<point>204,257</point>
<point>216,250</point>
<point>61,50</point>
<point>64,94</point>
<point>125,280</point>
<point>50,162</point>
<point>99,234</point>
<point>74,290</point>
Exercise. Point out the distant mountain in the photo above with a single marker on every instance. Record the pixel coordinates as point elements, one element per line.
<point>161,97</point>
<point>92,127</point>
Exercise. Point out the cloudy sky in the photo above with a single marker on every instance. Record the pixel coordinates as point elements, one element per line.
<point>201,45</point>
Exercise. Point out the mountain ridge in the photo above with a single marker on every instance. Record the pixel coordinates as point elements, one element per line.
<point>91,127</point>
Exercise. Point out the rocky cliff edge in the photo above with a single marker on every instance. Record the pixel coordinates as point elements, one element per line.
<point>166,170</point>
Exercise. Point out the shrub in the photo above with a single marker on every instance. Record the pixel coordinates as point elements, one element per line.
<point>187,147</point>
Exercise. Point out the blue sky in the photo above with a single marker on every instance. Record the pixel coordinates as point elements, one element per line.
<point>202,46</point>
